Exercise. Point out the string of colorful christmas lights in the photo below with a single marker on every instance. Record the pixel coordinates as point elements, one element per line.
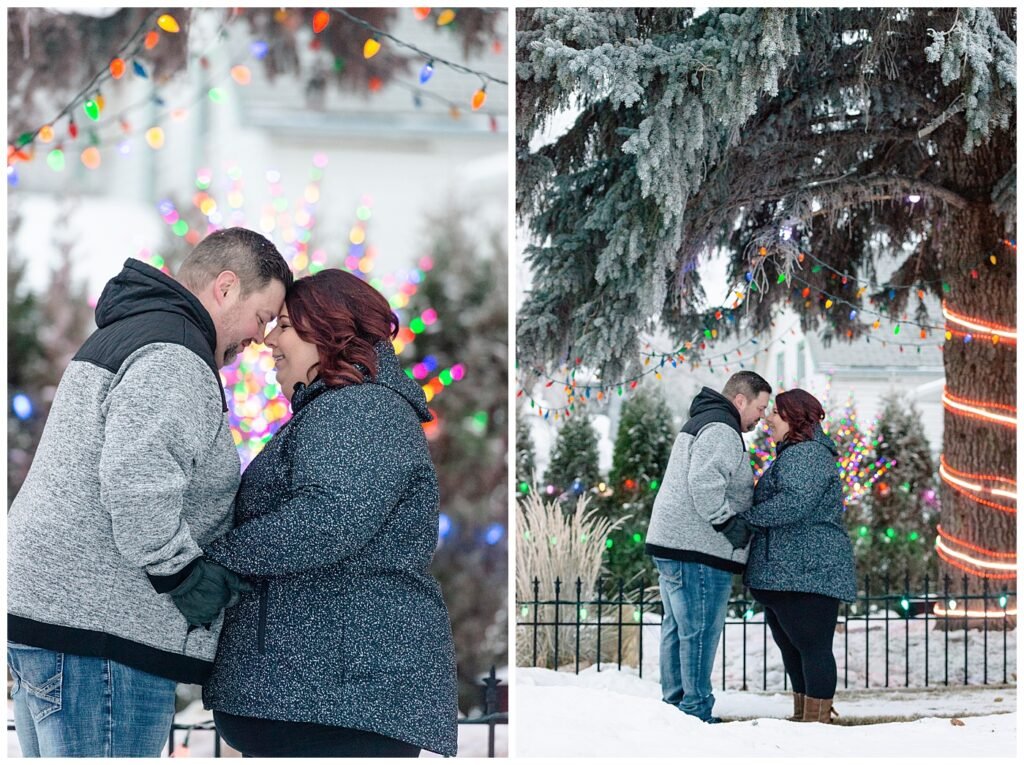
<point>134,43</point>
<point>875,287</point>
<point>428,57</point>
<point>22,148</point>
<point>997,332</point>
<point>673,360</point>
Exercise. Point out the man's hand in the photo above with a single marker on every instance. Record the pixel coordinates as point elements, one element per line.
<point>209,589</point>
<point>736,530</point>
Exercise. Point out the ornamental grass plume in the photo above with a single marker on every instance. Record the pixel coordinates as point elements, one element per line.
<point>557,546</point>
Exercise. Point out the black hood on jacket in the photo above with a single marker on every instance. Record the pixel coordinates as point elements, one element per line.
<point>711,406</point>
<point>142,305</point>
<point>140,288</point>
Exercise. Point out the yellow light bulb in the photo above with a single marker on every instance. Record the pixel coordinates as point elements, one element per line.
<point>168,23</point>
<point>155,137</point>
<point>370,48</point>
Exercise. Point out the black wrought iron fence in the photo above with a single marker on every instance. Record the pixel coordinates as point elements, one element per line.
<point>566,629</point>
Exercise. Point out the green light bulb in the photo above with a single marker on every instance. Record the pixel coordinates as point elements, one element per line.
<point>55,159</point>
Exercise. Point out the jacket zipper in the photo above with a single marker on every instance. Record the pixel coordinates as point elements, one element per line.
<point>261,629</point>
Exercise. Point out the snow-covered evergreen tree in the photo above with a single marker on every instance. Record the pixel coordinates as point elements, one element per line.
<point>894,526</point>
<point>525,457</point>
<point>643,444</point>
<point>469,442</point>
<point>574,462</point>
<point>806,144</point>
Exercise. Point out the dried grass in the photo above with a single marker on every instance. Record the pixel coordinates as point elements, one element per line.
<point>560,547</point>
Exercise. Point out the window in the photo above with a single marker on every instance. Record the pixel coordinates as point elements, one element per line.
<point>801,367</point>
<point>780,369</point>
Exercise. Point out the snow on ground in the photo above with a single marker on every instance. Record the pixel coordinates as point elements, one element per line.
<point>472,738</point>
<point>865,648</point>
<point>614,713</point>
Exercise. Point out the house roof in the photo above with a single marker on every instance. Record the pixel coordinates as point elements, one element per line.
<point>876,354</point>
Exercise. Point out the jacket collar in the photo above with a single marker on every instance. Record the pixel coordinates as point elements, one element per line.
<point>304,393</point>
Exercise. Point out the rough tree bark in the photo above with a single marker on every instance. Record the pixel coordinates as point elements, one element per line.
<point>981,371</point>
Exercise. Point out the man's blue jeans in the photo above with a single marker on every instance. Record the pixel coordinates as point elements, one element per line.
<point>82,706</point>
<point>694,597</point>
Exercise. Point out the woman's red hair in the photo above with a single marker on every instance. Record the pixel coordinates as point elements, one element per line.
<point>801,411</point>
<point>344,317</point>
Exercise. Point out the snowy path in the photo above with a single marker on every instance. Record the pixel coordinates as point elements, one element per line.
<point>617,714</point>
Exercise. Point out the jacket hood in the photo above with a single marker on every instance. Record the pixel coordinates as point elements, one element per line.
<point>140,288</point>
<point>711,406</point>
<point>819,437</point>
<point>712,402</point>
<point>391,375</point>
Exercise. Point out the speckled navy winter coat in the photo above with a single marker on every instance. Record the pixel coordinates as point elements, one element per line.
<point>337,525</point>
<point>800,542</point>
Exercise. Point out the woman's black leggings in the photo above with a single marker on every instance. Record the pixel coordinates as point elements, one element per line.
<point>803,625</point>
<point>279,738</point>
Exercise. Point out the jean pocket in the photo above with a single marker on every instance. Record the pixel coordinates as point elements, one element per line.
<point>669,572</point>
<point>39,674</point>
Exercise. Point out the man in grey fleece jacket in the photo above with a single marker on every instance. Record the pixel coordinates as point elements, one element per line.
<point>697,537</point>
<point>110,601</point>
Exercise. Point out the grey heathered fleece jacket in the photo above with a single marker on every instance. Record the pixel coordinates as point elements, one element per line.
<point>800,543</point>
<point>136,469</point>
<point>337,526</point>
<point>708,480</point>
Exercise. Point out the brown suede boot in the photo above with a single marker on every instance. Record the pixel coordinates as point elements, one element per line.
<point>818,710</point>
<point>798,708</point>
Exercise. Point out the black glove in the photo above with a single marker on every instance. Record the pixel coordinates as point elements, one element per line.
<point>207,590</point>
<point>736,530</point>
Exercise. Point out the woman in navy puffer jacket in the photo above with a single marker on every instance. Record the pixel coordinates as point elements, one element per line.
<point>345,647</point>
<point>801,560</point>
